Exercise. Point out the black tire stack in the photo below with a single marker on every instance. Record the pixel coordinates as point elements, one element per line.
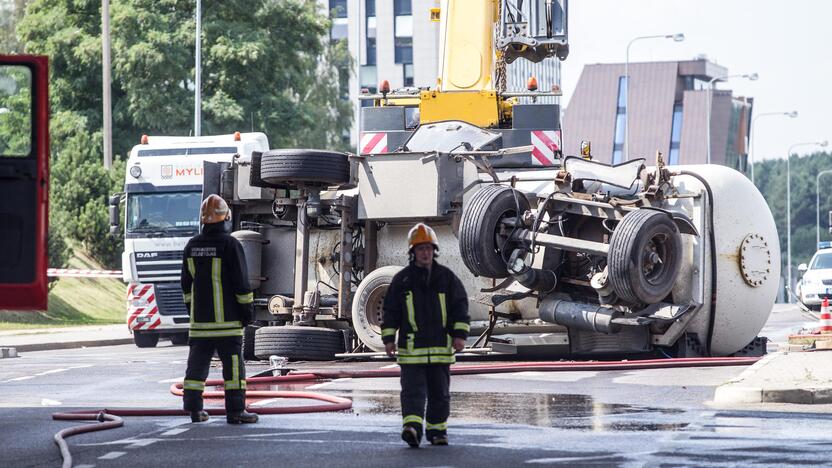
<point>304,167</point>
<point>298,343</point>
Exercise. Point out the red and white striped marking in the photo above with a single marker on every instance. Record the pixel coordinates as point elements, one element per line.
<point>825,317</point>
<point>373,142</point>
<point>546,143</point>
<point>81,273</point>
<point>136,292</point>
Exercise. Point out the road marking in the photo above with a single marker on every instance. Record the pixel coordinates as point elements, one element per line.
<point>143,443</point>
<point>51,371</point>
<point>174,432</point>
<point>48,402</point>
<point>111,455</point>
<point>176,380</point>
<point>265,402</point>
<point>389,366</point>
<point>317,386</point>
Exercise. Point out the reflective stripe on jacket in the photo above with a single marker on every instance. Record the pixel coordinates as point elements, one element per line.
<point>215,284</point>
<point>427,309</point>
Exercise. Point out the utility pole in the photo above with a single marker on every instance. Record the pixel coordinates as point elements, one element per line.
<point>198,72</point>
<point>106,68</point>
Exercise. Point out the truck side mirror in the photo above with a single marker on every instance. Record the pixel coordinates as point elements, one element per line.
<point>115,214</point>
<point>802,267</point>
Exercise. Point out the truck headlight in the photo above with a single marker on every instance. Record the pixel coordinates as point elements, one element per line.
<point>136,171</point>
<point>140,302</point>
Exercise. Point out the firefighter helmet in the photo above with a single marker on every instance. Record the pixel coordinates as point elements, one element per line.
<point>421,233</point>
<point>214,210</point>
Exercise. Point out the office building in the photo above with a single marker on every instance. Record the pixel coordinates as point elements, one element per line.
<point>667,105</point>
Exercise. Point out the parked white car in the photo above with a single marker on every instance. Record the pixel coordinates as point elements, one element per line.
<point>816,284</point>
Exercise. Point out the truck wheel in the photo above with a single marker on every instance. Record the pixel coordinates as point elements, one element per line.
<point>304,167</point>
<point>483,250</point>
<point>298,343</point>
<point>179,339</point>
<point>248,342</point>
<point>145,340</point>
<point>367,306</point>
<point>644,257</point>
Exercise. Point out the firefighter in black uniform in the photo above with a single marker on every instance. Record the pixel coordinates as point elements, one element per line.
<point>426,303</point>
<point>216,288</point>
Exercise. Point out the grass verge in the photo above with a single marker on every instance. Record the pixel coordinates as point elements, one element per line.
<point>74,301</point>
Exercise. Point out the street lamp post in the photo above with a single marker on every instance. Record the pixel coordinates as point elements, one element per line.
<point>789,208</point>
<point>678,37</point>
<point>792,114</point>
<point>817,204</point>
<point>748,76</point>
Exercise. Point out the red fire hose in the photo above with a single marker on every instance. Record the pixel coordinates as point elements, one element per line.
<point>109,418</point>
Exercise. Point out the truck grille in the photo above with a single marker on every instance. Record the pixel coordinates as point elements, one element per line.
<point>827,282</point>
<point>169,299</point>
<point>153,267</point>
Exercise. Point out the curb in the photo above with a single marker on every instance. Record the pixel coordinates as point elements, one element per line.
<point>72,344</point>
<point>733,392</point>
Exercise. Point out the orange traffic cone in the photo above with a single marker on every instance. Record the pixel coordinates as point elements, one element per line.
<point>825,317</point>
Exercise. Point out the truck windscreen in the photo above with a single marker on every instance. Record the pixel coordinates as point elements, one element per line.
<point>173,212</point>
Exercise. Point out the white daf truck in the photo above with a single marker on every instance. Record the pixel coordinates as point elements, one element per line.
<point>162,194</point>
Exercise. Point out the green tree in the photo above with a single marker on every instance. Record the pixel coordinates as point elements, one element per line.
<point>771,180</point>
<point>267,66</point>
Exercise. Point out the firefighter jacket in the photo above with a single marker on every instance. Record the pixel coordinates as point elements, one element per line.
<point>215,284</point>
<point>427,308</point>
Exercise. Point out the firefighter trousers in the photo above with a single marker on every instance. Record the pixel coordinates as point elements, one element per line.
<point>429,382</point>
<point>233,372</point>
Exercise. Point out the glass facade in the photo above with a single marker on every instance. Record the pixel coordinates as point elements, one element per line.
<point>675,135</point>
<point>620,122</point>
<point>403,31</point>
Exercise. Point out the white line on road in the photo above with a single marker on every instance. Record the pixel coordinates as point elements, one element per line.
<point>174,432</point>
<point>176,380</point>
<point>142,443</point>
<point>111,455</point>
<point>51,371</point>
<point>317,386</point>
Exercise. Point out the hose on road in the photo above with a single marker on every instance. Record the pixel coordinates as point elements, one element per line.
<point>109,418</point>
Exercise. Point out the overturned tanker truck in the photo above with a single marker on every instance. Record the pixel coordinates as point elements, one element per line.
<point>561,257</point>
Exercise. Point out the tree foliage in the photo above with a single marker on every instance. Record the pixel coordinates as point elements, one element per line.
<point>267,65</point>
<point>770,177</point>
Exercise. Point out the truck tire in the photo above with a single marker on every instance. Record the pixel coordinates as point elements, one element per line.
<point>644,257</point>
<point>145,340</point>
<point>483,251</point>
<point>179,339</point>
<point>304,167</point>
<point>298,343</point>
<point>367,306</point>
<point>248,342</point>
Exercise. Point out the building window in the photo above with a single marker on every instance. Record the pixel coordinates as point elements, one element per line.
<point>408,74</point>
<point>620,122</point>
<point>675,135</point>
<point>403,31</point>
<point>338,10</point>
<point>371,36</point>
<point>402,7</point>
<point>370,7</point>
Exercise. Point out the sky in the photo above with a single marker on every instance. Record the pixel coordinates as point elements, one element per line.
<point>787,42</point>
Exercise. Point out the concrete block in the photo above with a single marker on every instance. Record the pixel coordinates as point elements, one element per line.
<point>8,352</point>
<point>800,396</point>
<point>822,396</point>
<point>730,394</point>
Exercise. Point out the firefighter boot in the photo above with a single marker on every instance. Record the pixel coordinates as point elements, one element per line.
<point>440,439</point>
<point>241,417</point>
<point>199,416</point>
<point>411,436</point>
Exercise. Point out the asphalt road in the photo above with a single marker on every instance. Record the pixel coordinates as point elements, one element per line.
<point>612,418</point>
